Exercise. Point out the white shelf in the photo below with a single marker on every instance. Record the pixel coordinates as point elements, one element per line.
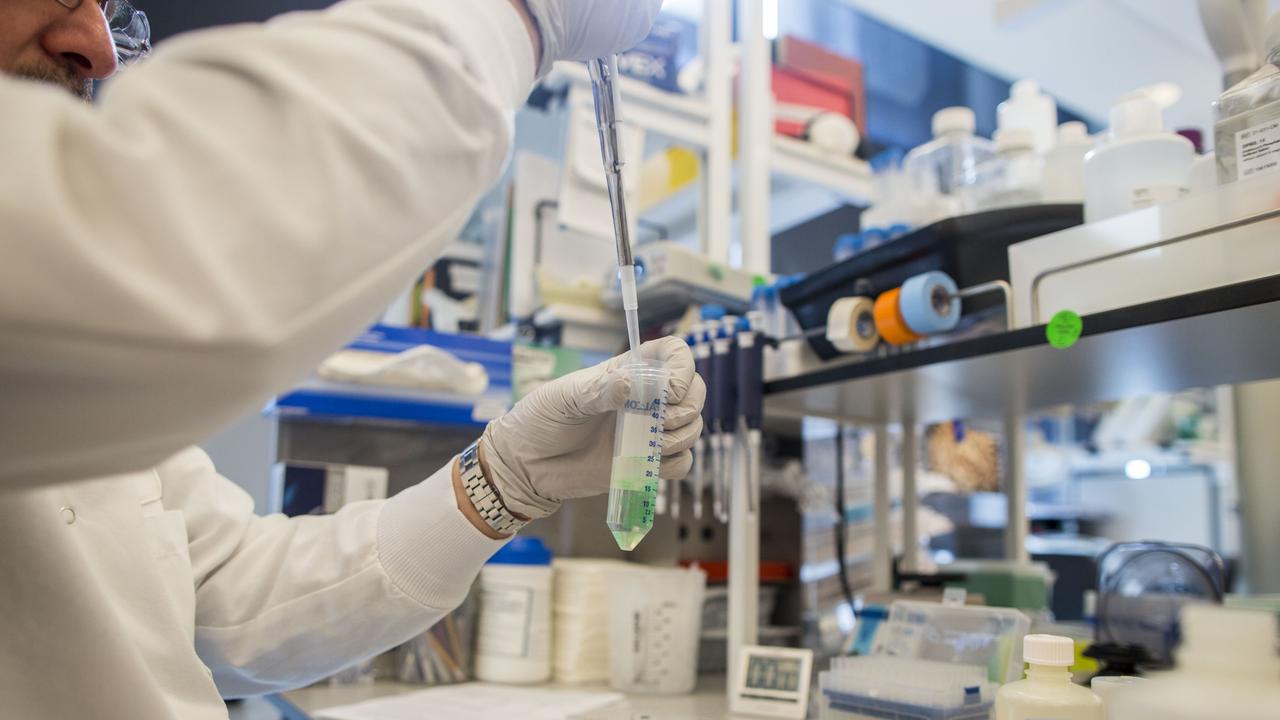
<point>683,118</point>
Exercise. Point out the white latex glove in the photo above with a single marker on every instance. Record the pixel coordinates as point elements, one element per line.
<point>557,443</point>
<point>588,29</point>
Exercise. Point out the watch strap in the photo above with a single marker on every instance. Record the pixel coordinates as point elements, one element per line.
<point>484,497</point>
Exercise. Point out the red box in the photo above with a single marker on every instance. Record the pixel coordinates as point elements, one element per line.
<point>810,75</point>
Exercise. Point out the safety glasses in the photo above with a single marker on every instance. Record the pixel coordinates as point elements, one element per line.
<point>129,27</point>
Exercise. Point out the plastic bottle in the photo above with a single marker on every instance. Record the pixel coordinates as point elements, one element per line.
<point>1012,178</point>
<point>1204,171</point>
<point>513,642</point>
<point>1140,165</point>
<point>1063,177</point>
<point>1047,693</point>
<point>1111,687</point>
<point>938,169</point>
<point>1246,136</point>
<point>1227,667</point>
<point>1031,110</point>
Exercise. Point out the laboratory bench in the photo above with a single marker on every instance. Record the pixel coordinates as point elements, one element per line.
<point>706,702</point>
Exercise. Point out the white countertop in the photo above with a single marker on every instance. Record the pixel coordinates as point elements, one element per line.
<point>706,702</point>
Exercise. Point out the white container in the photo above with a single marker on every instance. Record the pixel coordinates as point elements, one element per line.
<point>1246,136</point>
<point>1227,668</point>
<point>655,620</point>
<point>1063,177</point>
<point>1111,687</point>
<point>1031,110</point>
<point>513,636</point>
<point>1047,693</point>
<point>1141,165</point>
<point>939,169</point>
<point>580,618</point>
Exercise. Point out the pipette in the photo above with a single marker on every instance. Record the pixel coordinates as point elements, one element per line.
<point>637,451</point>
<point>750,367</point>
<point>604,90</point>
<point>702,365</point>
<point>724,370</point>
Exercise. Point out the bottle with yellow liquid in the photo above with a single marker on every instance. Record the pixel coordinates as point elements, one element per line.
<point>1047,693</point>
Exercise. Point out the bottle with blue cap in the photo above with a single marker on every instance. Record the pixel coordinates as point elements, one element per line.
<point>513,641</point>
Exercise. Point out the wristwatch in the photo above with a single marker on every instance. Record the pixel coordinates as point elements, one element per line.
<point>483,495</point>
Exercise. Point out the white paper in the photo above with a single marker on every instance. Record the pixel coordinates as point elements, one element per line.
<point>475,701</point>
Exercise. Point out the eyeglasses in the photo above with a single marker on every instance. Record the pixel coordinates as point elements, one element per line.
<point>129,27</point>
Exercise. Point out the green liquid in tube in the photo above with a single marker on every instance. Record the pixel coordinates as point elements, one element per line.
<point>633,484</point>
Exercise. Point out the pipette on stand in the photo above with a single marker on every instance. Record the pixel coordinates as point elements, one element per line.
<point>604,90</point>
<point>751,401</point>
<point>702,364</point>
<point>726,377</point>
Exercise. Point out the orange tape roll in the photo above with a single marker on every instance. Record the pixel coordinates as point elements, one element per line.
<point>893,329</point>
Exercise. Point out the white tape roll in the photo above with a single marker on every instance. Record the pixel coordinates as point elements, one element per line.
<point>851,325</point>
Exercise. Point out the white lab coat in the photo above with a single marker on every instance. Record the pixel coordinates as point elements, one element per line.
<point>237,207</point>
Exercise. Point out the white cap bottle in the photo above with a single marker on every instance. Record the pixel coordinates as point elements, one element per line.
<point>1047,691</point>
<point>949,120</point>
<point>1140,165</point>
<point>1031,110</point>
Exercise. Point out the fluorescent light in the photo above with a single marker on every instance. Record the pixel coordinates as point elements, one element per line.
<point>1137,469</point>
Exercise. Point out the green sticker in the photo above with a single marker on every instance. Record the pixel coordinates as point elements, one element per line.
<point>1064,329</point>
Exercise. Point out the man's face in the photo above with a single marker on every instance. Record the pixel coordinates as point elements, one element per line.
<point>42,40</point>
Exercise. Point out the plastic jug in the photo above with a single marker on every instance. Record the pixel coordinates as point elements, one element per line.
<point>939,169</point>
<point>1031,110</point>
<point>1047,693</point>
<point>1141,165</point>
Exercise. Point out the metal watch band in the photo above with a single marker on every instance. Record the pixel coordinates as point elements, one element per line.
<point>484,497</point>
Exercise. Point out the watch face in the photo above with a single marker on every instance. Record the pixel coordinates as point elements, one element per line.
<point>773,673</point>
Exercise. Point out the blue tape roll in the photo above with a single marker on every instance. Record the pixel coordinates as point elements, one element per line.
<point>928,305</point>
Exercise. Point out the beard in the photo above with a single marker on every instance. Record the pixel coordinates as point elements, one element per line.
<point>62,75</point>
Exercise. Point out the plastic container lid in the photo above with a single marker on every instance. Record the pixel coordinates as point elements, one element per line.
<point>989,637</point>
<point>521,550</point>
<point>1014,138</point>
<point>1052,650</point>
<point>1134,116</point>
<point>1073,132</point>
<point>953,119</point>
<point>712,312</point>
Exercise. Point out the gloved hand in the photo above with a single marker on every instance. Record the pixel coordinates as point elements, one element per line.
<point>557,443</point>
<point>588,29</point>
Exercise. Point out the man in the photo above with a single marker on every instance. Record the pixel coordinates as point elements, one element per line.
<point>233,209</point>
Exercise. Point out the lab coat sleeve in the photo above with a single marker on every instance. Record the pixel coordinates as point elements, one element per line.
<point>237,206</point>
<point>282,602</point>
